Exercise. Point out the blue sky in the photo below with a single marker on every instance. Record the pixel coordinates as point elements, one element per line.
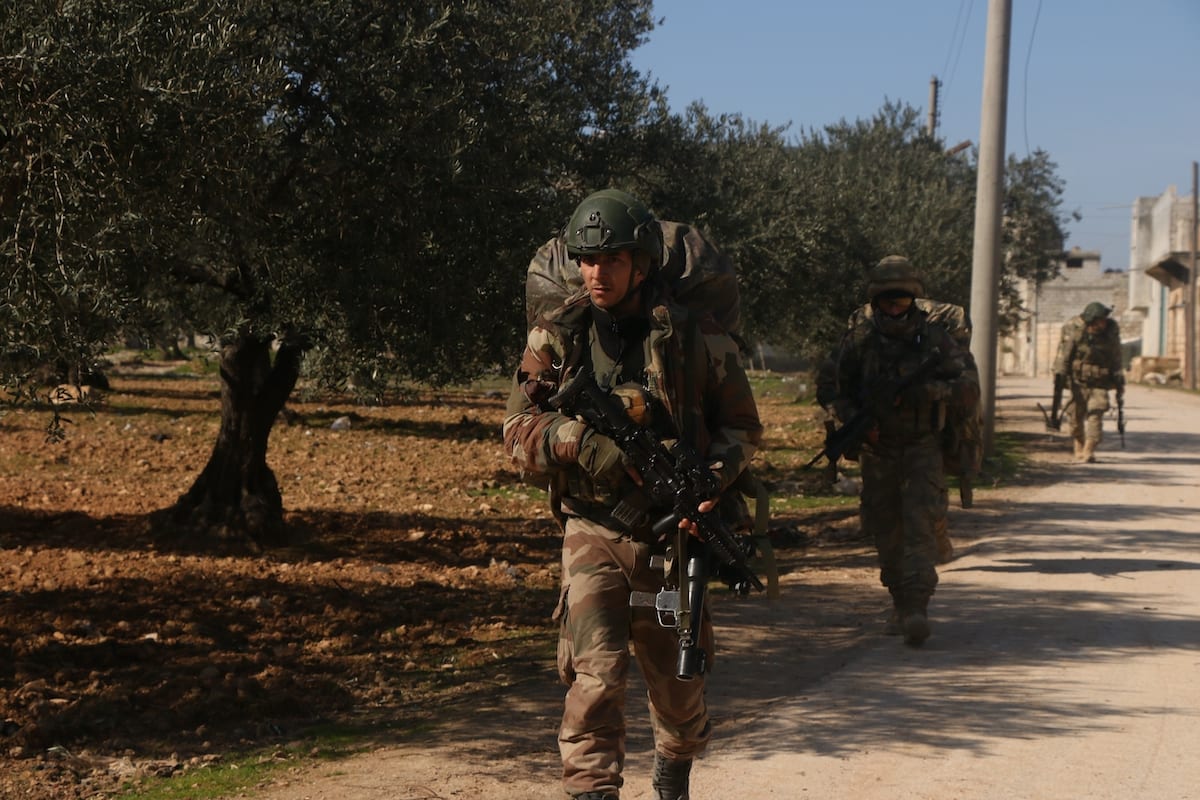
<point>1109,88</point>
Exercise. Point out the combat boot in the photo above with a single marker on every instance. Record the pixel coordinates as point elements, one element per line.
<point>1088,455</point>
<point>596,796</point>
<point>670,778</point>
<point>915,625</point>
<point>1079,449</point>
<point>914,622</point>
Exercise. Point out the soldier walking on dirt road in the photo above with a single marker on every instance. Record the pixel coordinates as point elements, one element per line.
<point>1089,361</point>
<point>673,371</point>
<point>904,485</point>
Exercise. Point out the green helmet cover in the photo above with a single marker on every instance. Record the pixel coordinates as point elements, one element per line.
<point>1095,311</point>
<point>894,274</point>
<point>609,221</point>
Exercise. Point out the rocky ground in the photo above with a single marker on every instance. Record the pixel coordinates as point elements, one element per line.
<point>419,574</point>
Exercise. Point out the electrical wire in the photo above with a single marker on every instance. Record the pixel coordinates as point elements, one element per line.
<point>1025,89</point>
<point>961,35</point>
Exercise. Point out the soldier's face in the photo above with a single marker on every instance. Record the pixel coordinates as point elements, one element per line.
<point>895,305</point>
<point>610,278</point>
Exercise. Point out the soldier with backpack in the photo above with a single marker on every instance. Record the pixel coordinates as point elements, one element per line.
<point>677,372</point>
<point>962,434</point>
<point>905,372</point>
<point>1089,362</point>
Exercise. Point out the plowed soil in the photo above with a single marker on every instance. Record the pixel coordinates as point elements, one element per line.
<point>418,577</point>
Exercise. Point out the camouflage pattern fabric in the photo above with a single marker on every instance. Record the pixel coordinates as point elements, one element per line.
<point>1091,359</point>
<point>1093,366</point>
<point>903,495</point>
<point>721,413</point>
<point>1087,413</point>
<point>602,563</point>
<point>904,490</point>
<point>598,632</point>
<point>963,436</point>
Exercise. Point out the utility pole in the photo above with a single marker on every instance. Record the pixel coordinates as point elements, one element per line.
<point>931,124</point>
<point>985,265</point>
<point>1189,339</point>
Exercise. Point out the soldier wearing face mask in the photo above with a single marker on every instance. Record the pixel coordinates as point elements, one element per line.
<point>904,495</point>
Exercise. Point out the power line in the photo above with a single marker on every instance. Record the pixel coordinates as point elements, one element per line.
<point>1025,89</point>
<point>953,36</point>
<point>961,35</point>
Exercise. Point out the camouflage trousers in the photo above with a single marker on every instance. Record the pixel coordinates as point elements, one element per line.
<point>904,500</point>
<point>598,635</point>
<point>1088,405</point>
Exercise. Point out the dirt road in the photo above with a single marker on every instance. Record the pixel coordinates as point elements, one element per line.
<point>1065,659</point>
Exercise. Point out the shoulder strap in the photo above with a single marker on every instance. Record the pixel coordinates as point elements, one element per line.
<point>691,328</point>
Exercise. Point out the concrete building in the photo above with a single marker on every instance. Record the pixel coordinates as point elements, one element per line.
<point>1160,264</point>
<point>1031,349</point>
<point>1148,299</point>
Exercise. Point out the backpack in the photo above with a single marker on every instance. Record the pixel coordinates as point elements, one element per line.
<point>703,280</point>
<point>701,277</point>
<point>962,438</point>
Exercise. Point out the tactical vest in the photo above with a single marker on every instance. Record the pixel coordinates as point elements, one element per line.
<point>1096,358</point>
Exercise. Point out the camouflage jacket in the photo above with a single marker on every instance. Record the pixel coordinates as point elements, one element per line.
<point>1090,359</point>
<point>720,415</point>
<point>953,317</point>
<point>856,377</point>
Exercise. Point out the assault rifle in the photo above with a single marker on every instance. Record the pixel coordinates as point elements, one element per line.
<point>849,437</point>
<point>1054,418</point>
<point>1121,415</point>
<point>672,477</point>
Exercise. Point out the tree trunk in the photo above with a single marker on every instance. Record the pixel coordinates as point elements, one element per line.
<point>236,496</point>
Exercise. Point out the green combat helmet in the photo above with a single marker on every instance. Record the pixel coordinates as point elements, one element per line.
<point>894,274</point>
<point>609,221</point>
<point>1095,311</point>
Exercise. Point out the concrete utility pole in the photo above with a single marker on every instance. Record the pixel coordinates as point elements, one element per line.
<point>931,123</point>
<point>985,266</point>
<point>1190,302</point>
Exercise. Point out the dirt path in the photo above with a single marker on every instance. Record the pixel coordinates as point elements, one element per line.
<point>1063,663</point>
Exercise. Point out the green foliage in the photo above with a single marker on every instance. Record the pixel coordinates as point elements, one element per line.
<point>805,219</point>
<point>1034,228</point>
<point>368,177</point>
<point>371,180</point>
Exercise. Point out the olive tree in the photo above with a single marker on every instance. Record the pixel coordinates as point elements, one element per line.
<point>337,187</point>
<point>805,219</point>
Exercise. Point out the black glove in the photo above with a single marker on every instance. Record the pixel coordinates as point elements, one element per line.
<point>602,459</point>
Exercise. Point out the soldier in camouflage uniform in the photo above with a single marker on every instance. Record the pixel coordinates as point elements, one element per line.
<point>687,373</point>
<point>962,437</point>
<point>1089,361</point>
<point>904,484</point>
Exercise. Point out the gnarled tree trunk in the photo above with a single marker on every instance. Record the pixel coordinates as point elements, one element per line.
<point>236,495</point>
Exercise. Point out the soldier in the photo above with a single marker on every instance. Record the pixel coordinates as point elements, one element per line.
<point>624,326</point>
<point>904,485</point>
<point>962,449</point>
<point>1089,361</point>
